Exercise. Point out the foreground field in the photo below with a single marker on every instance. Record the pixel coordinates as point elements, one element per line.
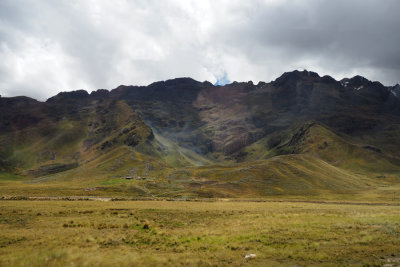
<point>151,233</point>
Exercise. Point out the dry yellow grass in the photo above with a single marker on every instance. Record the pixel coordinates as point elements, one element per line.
<point>220,233</point>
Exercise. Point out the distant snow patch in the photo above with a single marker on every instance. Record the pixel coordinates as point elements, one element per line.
<point>345,83</point>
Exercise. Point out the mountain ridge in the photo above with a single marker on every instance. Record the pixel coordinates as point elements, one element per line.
<point>183,130</point>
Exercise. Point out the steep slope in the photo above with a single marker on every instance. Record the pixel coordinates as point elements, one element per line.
<point>341,151</point>
<point>300,134</point>
<point>168,108</point>
<point>220,120</point>
<point>59,135</point>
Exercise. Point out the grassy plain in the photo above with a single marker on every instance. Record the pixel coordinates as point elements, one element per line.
<point>217,233</point>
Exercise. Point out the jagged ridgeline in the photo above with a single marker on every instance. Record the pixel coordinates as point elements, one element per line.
<point>300,134</point>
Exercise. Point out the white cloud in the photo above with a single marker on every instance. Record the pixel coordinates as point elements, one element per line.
<point>51,46</point>
<point>37,68</point>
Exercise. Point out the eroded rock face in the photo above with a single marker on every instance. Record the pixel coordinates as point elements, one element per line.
<point>200,117</point>
<point>225,119</point>
<point>168,108</point>
<point>227,116</point>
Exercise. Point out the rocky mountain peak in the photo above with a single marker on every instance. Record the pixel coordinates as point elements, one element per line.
<point>396,90</point>
<point>100,93</point>
<point>357,82</point>
<point>294,76</point>
<point>73,95</point>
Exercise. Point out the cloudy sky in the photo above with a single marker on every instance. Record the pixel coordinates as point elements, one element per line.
<point>47,46</point>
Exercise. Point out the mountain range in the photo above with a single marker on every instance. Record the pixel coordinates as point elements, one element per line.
<point>299,135</point>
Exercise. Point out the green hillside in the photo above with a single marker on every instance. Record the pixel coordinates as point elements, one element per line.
<point>301,136</point>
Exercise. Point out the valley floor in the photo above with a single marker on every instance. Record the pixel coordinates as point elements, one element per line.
<point>182,233</point>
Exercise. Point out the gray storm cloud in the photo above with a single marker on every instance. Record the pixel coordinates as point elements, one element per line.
<point>51,46</point>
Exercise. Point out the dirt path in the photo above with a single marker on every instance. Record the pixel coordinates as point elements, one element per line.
<point>99,198</point>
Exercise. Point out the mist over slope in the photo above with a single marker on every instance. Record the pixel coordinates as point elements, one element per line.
<point>300,134</point>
